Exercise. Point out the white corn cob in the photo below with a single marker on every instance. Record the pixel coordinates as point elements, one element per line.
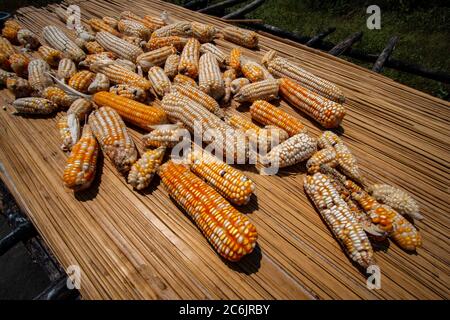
<point>66,69</point>
<point>100,83</point>
<point>155,58</point>
<point>38,77</point>
<point>218,54</point>
<point>143,170</point>
<point>134,28</point>
<point>57,39</point>
<point>163,135</point>
<point>237,84</point>
<point>198,96</point>
<point>80,108</point>
<point>34,106</point>
<point>261,90</point>
<point>228,77</point>
<point>245,38</point>
<point>189,58</point>
<point>159,80</point>
<point>171,65</point>
<point>69,130</point>
<point>180,28</point>
<point>209,77</point>
<point>118,46</point>
<point>203,32</point>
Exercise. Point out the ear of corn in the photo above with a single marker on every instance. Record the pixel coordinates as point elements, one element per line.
<point>261,90</point>
<point>134,28</point>
<point>136,41</point>
<point>324,156</point>
<point>10,29</point>
<point>50,55</point>
<point>159,80</point>
<point>130,92</point>
<point>4,61</point>
<point>66,69</point>
<point>80,108</point>
<point>184,80</point>
<point>100,83</point>
<point>239,122</point>
<point>328,113</point>
<point>58,96</point>
<point>5,75</point>
<point>143,170</point>
<point>19,64</point>
<point>149,23</point>
<point>19,87</point>
<point>190,58</point>
<point>180,28</point>
<point>38,77</point>
<point>81,164</point>
<point>120,75</point>
<point>234,61</point>
<point>28,39</point>
<point>118,46</point>
<point>81,80</point>
<point>69,130</point>
<point>127,64</point>
<point>100,26</point>
<point>230,232</point>
<point>93,47</point>
<point>198,96</point>
<point>237,84</point>
<point>210,78</point>
<point>159,22</point>
<point>6,47</point>
<point>242,37</point>
<point>34,106</point>
<point>215,51</point>
<point>203,32</point>
<point>97,57</point>
<point>171,65</point>
<point>154,58</point>
<point>164,135</point>
<point>228,77</point>
<point>254,71</point>
<point>112,22</point>
<point>159,42</point>
<point>57,39</point>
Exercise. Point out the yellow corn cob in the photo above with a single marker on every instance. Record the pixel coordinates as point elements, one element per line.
<point>239,122</point>
<point>93,47</point>
<point>283,68</point>
<point>131,111</point>
<point>228,77</point>
<point>19,64</point>
<point>328,113</point>
<point>38,77</point>
<point>19,87</point>
<point>143,170</point>
<point>80,108</point>
<point>159,80</point>
<point>159,21</point>
<point>81,80</point>
<point>58,96</point>
<point>136,41</point>
<point>6,47</point>
<point>176,41</point>
<point>184,80</point>
<point>203,32</point>
<point>28,39</point>
<point>100,26</point>
<point>163,135</point>
<point>69,130</point>
<point>128,15</point>
<point>66,69</point>
<point>34,106</point>
<point>50,55</point>
<point>81,164</point>
<point>100,83</point>
<point>254,71</point>
<point>10,30</point>
<point>261,90</point>
<point>198,96</point>
<point>230,232</point>
<point>210,78</point>
<point>189,58</point>
<point>237,84</point>
<point>113,137</point>
<point>180,28</point>
<point>324,156</point>
<point>234,60</point>
<point>339,219</point>
<point>118,46</point>
<point>171,65</point>
<point>130,92</point>
<point>120,75</point>
<point>134,28</point>
<point>242,37</point>
<point>4,62</point>
<point>57,39</point>
<point>112,22</point>
<point>96,57</point>
<point>267,114</point>
<point>154,58</point>
<point>215,51</point>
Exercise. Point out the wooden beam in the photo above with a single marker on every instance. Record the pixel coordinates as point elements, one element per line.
<point>343,46</point>
<point>244,10</point>
<point>195,4</point>
<point>385,54</point>
<point>318,37</point>
<point>218,7</point>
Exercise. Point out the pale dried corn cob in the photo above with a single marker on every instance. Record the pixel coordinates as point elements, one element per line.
<point>203,32</point>
<point>210,78</point>
<point>100,26</point>
<point>69,130</point>
<point>228,77</point>
<point>159,80</point>
<point>113,137</point>
<point>190,58</point>
<point>180,28</point>
<point>130,92</point>
<point>120,75</point>
<point>154,58</point>
<point>118,46</point>
<point>6,47</point>
<point>112,22</point>
<point>19,87</point>
<point>93,47</point>
<point>128,15</point>
<point>328,113</point>
<point>283,68</point>
<point>58,96</point>
<point>143,170</point>
<point>215,51</point>
<point>171,65</point>
<point>97,57</point>
<point>138,42</point>
<point>239,122</point>
<point>28,39</point>
<point>81,164</point>
<point>126,64</point>
<point>134,29</point>
<point>230,232</point>
<point>100,83</point>
<point>237,84</point>
<point>66,69</point>
<point>198,96</point>
<point>34,106</point>
<point>397,199</point>
<point>81,43</point>
<point>234,60</point>
<point>339,219</point>
<point>80,108</point>
<point>163,135</point>
<point>19,64</point>
<point>176,41</point>
<point>81,80</point>
<point>10,29</point>
<point>158,21</point>
<point>323,156</point>
<point>254,71</point>
<point>50,55</point>
<point>38,77</point>
<point>184,80</point>
<point>57,39</point>
<point>261,90</point>
<point>231,183</point>
<point>131,111</point>
<point>242,37</point>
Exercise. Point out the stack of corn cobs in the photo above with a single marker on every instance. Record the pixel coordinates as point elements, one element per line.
<point>106,77</point>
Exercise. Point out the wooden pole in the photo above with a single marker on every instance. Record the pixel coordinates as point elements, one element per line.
<point>244,10</point>
<point>384,55</point>
<point>218,7</point>
<point>195,4</point>
<point>317,38</point>
<point>343,46</point>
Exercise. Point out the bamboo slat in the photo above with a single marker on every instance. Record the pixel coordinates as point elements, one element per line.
<point>141,245</point>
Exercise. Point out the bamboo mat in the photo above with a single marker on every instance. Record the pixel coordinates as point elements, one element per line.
<point>133,245</point>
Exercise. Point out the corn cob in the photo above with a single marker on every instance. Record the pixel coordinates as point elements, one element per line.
<point>81,164</point>
<point>234,60</point>
<point>198,96</point>
<point>131,111</point>
<point>128,15</point>
<point>66,69</point>
<point>34,106</point>
<point>113,137</point>
<point>93,47</point>
<point>118,46</point>
<point>184,80</point>
<point>239,122</point>
<point>58,96</point>
<point>81,80</point>
<point>328,113</point>
<point>228,77</point>
<point>5,75</point>
<point>159,22</point>
<point>97,57</point>
<point>180,28</point>
<point>69,130</point>
<point>154,58</point>
<point>171,65</point>
<point>242,37</point>
<point>112,22</point>
<point>143,170</point>
<point>50,55</point>
<point>176,41</point>
<point>28,39</point>
<point>210,78</point>
<point>120,75</point>
<point>4,61</point>
<point>283,68</point>
<point>232,184</point>
<point>261,90</point>
<point>163,135</point>
<point>38,77</point>
<point>339,219</point>
<point>58,40</point>
<point>324,156</point>
<point>130,92</point>
<point>10,30</point>
<point>203,32</point>
<point>230,232</point>
<point>253,71</point>
<point>126,64</point>
<point>136,41</point>
<point>80,108</point>
<point>134,29</point>
<point>19,64</point>
<point>237,84</point>
<point>6,47</point>
<point>159,80</point>
<point>189,58</point>
<point>100,83</point>
<point>215,51</point>
<point>100,26</point>
<point>19,87</point>
<point>397,199</point>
